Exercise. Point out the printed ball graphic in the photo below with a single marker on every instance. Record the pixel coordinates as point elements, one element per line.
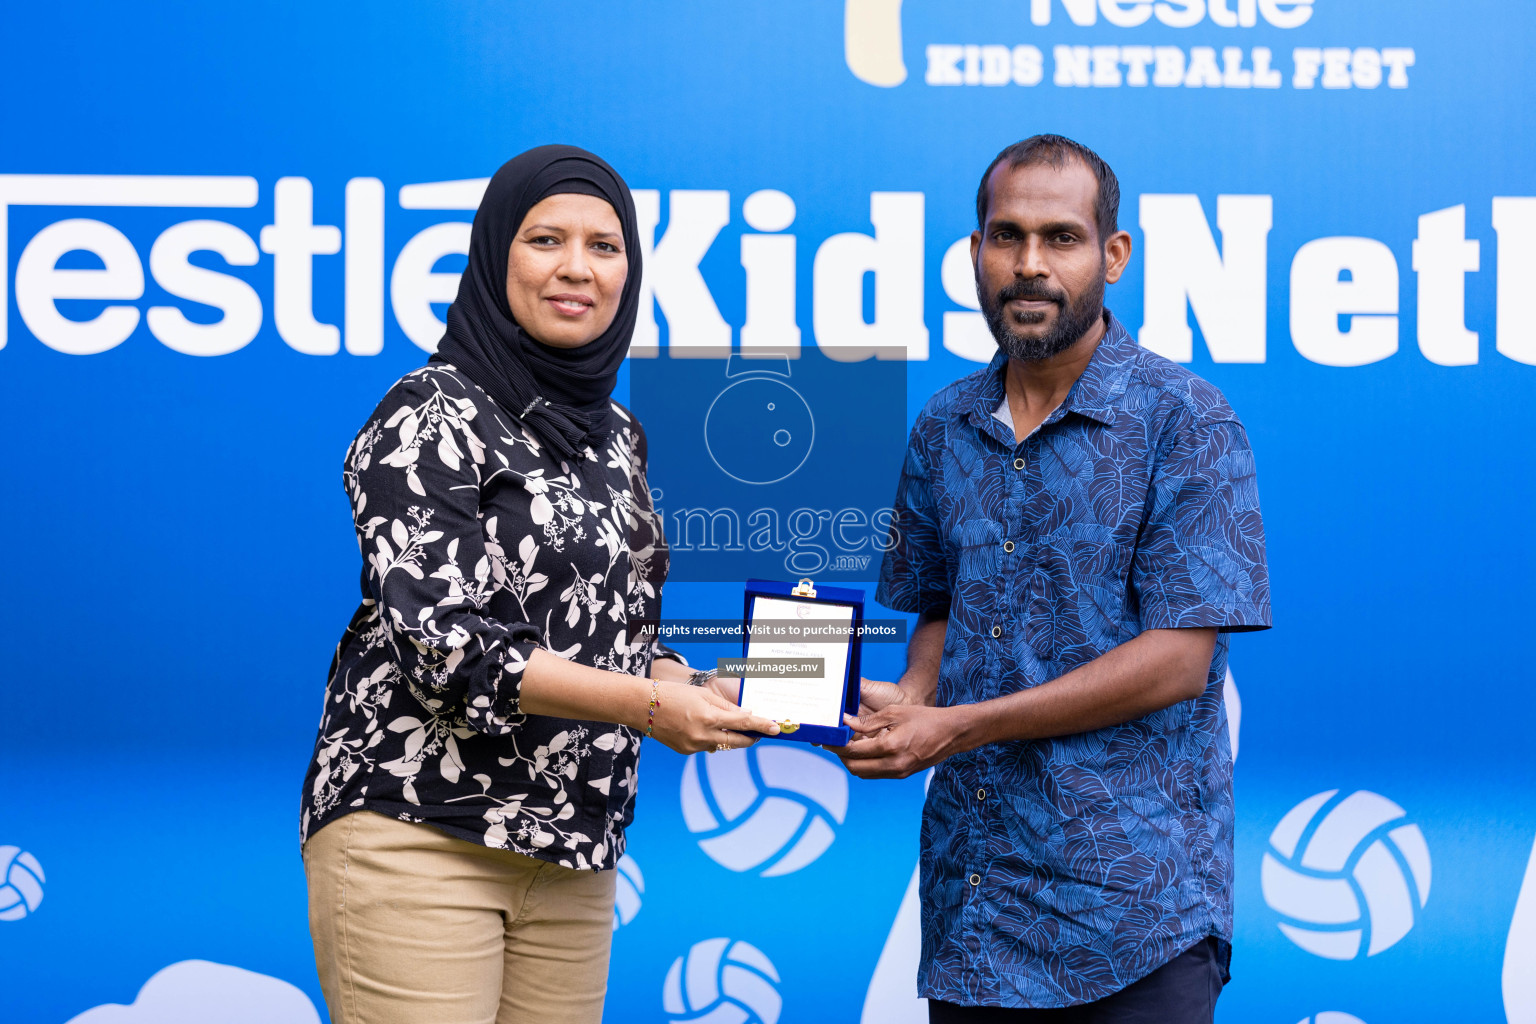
<point>722,982</point>
<point>759,430</point>
<point>1348,874</point>
<point>628,888</point>
<point>771,808</point>
<point>21,883</point>
<point>1332,1017</point>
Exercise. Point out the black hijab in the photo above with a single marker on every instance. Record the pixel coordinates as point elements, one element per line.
<point>561,394</point>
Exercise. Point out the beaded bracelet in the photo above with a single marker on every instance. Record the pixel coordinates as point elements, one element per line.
<point>650,712</point>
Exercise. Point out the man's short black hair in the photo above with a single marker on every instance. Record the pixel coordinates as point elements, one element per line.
<point>1058,151</point>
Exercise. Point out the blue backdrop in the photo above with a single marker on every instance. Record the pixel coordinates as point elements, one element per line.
<point>1335,197</point>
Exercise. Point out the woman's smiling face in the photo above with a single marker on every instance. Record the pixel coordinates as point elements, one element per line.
<point>566,270</point>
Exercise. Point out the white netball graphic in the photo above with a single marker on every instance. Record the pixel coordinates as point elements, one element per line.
<point>772,808</point>
<point>892,994</point>
<point>200,992</point>
<point>21,883</point>
<point>1348,875</point>
<point>1520,953</point>
<point>1332,1017</point>
<point>1234,702</point>
<point>629,887</point>
<point>722,982</point>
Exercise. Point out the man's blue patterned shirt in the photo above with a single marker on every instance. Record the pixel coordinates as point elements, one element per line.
<point>1058,871</point>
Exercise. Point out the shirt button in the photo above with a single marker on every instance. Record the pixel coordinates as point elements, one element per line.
<point>975,878</point>
<point>1018,463</point>
<point>981,794</point>
<point>997,631</point>
<point>1008,546</point>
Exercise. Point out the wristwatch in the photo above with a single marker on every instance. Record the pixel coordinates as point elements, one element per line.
<point>701,676</point>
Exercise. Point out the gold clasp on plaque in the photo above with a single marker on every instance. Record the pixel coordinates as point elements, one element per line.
<point>787,726</point>
<point>807,588</point>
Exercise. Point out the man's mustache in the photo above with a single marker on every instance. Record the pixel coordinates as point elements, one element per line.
<point>1025,289</point>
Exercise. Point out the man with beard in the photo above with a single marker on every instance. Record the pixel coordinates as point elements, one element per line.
<point>1077,527</point>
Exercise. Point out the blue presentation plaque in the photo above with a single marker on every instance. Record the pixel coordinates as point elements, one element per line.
<point>788,623</point>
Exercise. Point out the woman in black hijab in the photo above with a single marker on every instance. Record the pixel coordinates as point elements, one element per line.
<point>476,762</point>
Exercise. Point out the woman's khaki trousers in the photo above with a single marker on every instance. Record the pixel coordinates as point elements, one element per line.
<point>412,926</point>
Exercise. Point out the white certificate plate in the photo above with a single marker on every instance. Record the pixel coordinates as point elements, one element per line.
<point>806,701</point>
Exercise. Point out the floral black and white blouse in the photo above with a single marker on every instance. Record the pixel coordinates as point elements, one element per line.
<point>479,545</point>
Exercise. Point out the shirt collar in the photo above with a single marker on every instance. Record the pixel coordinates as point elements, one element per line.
<point>1093,395</point>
